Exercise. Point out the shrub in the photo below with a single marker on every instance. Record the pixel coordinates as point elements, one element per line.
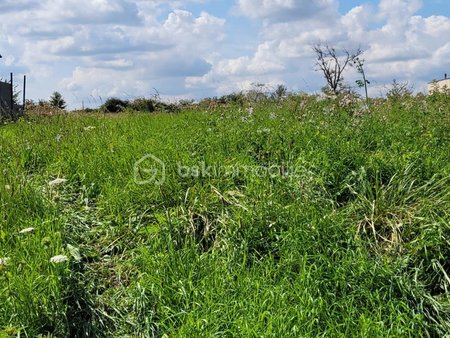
<point>143,105</point>
<point>114,105</point>
<point>399,90</point>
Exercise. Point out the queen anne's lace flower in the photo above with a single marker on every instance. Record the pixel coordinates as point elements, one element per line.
<point>57,181</point>
<point>26,230</point>
<point>4,261</point>
<point>59,259</point>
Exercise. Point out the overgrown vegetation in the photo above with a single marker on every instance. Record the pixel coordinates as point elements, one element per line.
<point>149,105</point>
<point>292,216</point>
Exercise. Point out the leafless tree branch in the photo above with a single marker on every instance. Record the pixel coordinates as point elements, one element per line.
<point>332,64</point>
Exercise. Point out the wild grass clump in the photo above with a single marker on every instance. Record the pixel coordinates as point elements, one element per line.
<point>300,216</point>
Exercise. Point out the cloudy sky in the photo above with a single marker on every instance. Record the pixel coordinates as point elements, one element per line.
<point>93,49</point>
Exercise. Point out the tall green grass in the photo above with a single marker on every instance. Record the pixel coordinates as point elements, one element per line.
<point>348,235</point>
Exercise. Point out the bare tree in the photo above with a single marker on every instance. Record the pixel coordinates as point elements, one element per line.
<point>332,64</point>
<point>398,90</point>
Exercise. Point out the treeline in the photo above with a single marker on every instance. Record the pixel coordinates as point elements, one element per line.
<point>258,94</point>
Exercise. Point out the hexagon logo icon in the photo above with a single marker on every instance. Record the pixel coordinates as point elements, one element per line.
<point>149,169</point>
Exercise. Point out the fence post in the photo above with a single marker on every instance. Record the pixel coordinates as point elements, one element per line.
<point>24,87</point>
<point>12,92</point>
<point>12,113</point>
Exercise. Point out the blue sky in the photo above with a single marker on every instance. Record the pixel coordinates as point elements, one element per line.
<point>93,49</point>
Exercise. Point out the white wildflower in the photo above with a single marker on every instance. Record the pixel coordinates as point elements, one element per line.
<point>58,137</point>
<point>59,259</point>
<point>88,128</point>
<point>4,261</point>
<point>273,115</point>
<point>57,181</point>
<point>250,111</point>
<point>26,230</point>
<point>246,119</point>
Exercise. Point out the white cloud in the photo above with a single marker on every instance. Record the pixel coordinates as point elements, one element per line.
<point>93,48</point>
<point>14,5</point>
<point>398,11</point>
<point>286,10</point>
<point>90,11</point>
<point>397,42</point>
<point>101,48</point>
<point>183,28</point>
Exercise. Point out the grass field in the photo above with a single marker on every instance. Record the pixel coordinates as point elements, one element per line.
<point>304,218</point>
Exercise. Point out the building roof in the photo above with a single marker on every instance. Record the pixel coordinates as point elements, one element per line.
<point>434,81</point>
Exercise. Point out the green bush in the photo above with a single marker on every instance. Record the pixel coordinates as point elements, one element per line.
<point>143,105</point>
<point>114,105</point>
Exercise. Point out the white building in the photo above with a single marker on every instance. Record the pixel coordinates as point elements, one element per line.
<point>439,85</point>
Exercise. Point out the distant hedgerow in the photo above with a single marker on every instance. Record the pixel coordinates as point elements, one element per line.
<point>143,104</point>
